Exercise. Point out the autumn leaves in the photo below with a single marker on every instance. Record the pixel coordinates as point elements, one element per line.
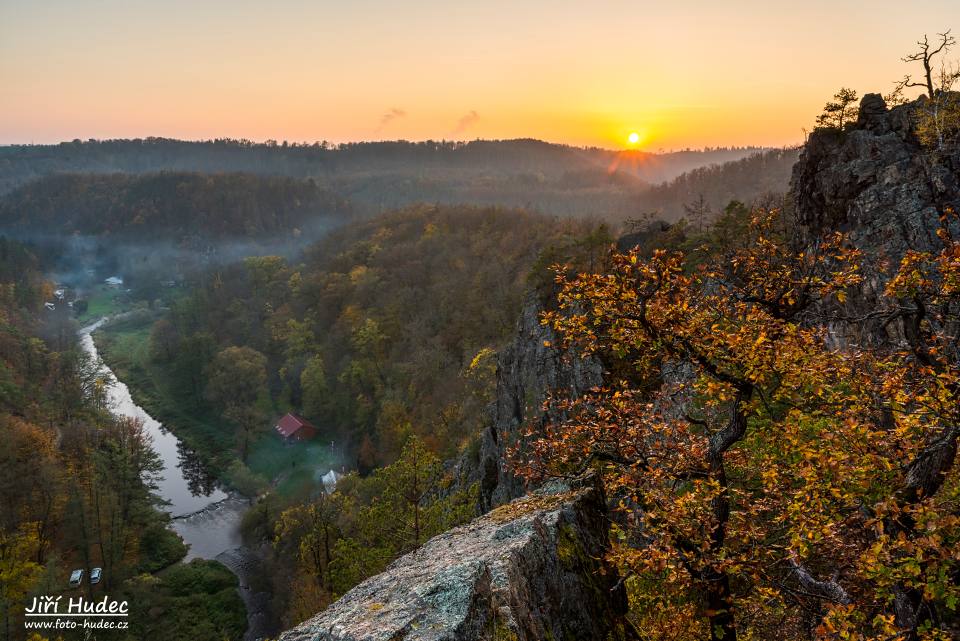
<point>777,487</point>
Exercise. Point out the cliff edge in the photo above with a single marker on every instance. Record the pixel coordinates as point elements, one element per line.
<point>876,181</point>
<point>527,571</point>
<point>528,369</point>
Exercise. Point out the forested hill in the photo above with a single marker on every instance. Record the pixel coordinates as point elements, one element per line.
<point>378,176</point>
<point>747,180</point>
<point>171,205</point>
<point>19,163</point>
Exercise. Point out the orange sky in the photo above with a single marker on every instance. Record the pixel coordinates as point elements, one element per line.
<point>681,73</point>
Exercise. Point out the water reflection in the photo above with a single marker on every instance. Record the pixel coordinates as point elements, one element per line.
<point>185,484</point>
<point>200,481</point>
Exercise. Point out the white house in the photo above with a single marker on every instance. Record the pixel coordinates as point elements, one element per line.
<point>330,481</point>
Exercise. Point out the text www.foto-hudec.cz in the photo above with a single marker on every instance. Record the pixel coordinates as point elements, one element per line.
<point>47,612</point>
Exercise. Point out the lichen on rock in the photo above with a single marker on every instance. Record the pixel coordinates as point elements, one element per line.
<point>532,569</point>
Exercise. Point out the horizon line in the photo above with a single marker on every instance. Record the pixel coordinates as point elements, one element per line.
<point>334,146</point>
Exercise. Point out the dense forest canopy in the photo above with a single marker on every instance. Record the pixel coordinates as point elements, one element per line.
<point>705,191</point>
<point>168,205</point>
<point>19,163</point>
<point>375,333</point>
<point>379,176</point>
<point>186,206</point>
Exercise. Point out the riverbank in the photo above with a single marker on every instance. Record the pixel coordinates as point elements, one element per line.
<point>208,523</point>
<point>124,345</point>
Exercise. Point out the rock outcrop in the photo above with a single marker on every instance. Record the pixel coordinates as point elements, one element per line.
<point>529,570</point>
<point>528,369</point>
<point>875,181</point>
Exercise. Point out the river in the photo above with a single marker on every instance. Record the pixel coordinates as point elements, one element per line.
<point>206,517</point>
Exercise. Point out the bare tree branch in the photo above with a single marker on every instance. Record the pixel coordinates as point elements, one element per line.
<point>828,590</point>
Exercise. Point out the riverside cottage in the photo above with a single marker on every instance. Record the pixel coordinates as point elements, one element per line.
<point>293,429</point>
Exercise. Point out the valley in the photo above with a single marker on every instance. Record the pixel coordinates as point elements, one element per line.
<point>467,322</point>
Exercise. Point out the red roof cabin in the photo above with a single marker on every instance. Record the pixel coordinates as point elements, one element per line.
<point>293,428</point>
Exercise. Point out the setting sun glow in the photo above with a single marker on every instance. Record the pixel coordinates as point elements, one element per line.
<point>451,72</point>
<point>633,138</point>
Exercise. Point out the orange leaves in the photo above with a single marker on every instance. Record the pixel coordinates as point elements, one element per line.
<point>928,276</point>
<point>818,442</point>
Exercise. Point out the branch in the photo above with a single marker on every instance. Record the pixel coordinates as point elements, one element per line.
<point>827,590</point>
<point>736,427</point>
<point>947,41</point>
<point>607,457</point>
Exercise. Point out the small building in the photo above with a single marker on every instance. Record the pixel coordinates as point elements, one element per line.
<point>293,428</point>
<point>330,481</point>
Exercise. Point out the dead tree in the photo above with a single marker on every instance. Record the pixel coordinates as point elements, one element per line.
<point>925,56</point>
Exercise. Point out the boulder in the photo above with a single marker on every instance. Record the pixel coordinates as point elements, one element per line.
<point>529,570</point>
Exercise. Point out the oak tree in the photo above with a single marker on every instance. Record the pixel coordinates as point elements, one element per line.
<point>768,482</point>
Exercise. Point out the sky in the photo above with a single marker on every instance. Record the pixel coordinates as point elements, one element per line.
<point>680,73</point>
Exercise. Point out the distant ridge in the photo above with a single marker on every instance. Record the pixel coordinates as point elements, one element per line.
<point>21,163</point>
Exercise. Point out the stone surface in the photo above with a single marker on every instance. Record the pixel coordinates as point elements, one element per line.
<point>527,571</point>
<point>528,369</point>
<point>876,183</point>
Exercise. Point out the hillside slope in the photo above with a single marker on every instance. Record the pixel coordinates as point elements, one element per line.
<point>874,181</point>
<point>167,205</point>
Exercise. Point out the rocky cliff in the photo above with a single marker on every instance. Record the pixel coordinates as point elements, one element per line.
<point>878,184</point>
<point>528,369</point>
<point>875,181</point>
<point>527,571</point>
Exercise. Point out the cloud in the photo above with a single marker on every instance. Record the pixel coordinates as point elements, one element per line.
<point>465,122</point>
<point>390,116</point>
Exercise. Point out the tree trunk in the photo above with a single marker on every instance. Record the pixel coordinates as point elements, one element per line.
<point>719,609</point>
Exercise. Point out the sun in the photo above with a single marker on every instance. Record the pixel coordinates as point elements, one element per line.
<point>633,138</point>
